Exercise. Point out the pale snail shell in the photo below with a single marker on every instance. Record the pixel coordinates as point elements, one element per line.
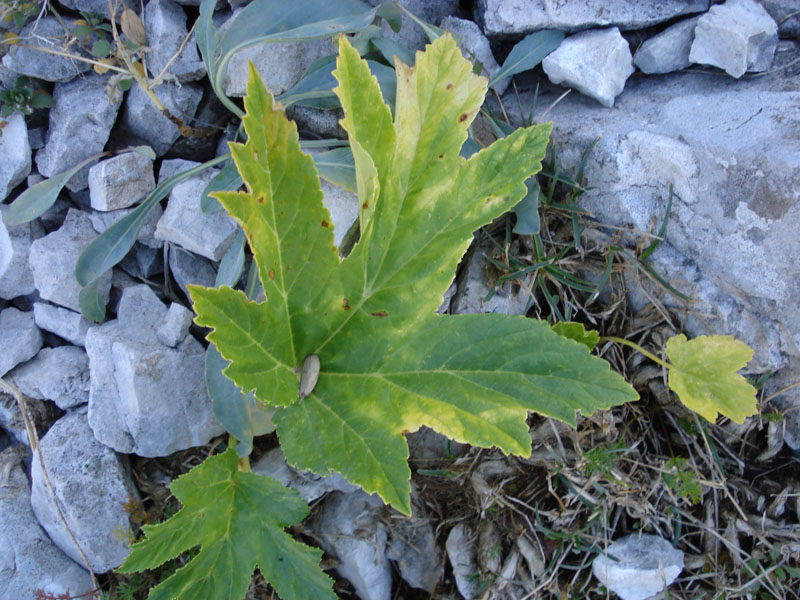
<point>309,375</point>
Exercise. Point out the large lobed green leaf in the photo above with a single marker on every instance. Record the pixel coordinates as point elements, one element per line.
<point>388,364</point>
<point>238,519</point>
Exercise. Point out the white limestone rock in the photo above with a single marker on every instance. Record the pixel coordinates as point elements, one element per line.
<point>121,181</point>
<point>29,560</point>
<point>80,123</point>
<point>669,50</point>
<point>59,374</point>
<point>343,206</point>
<point>348,526</point>
<point>92,484</point>
<point>515,17</point>
<point>65,323</point>
<point>20,338</point>
<point>637,567</point>
<point>132,374</point>
<point>461,552</point>
<point>412,546</point>
<point>165,23</point>
<point>15,244</point>
<point>738,36</point>
<point>475,47</point>
<point>185,224</point>
<point>16,152</point>
<point>731,151</point>
<point>53,258</point>
<point>476,281</point>
<point>175,326</point>
<point>596,63</point>
<point>310,485</point>
<point>145,121</point>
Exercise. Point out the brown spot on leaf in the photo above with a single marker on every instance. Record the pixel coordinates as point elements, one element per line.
<point>271,274</point>
<point>260,199</point>
<point>345,304</point>
<point>506,199</point>
<point>441,156</point>
<point>324,223</point>
<point>448,87</point>
<point>462,117</point>
<point>365,206</point>
<point>380,313</point>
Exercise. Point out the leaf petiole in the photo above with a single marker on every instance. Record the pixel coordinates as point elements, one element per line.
<point>636,347</point>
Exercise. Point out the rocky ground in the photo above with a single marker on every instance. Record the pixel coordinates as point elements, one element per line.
<point>663,95</point>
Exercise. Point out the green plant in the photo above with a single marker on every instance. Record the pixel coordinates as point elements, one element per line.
<point>24,98</point>
<point>682,479</point>
<point>387,364</point>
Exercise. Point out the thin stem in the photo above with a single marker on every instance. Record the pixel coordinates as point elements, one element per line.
<point>636,347</point>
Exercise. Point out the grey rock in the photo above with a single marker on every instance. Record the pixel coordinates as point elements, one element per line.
<point>143,119</point>
<point>785,14</point>
<point>644,566</point>
<point>16,152</point>
<point>103,220</point>
<point>348,527</point>
<point>411,35</point>
<point>475,47</point>
<point>461,553</point>
<point>731,151</point>
<point>20,338</point>
<point>92,484</point>
<point>53,258</point>
<point>189,269</point>
<point>281,64</point>
<point>173,166</point>
<point>324,123</point>
<point>447,297</point>
<point>65,323</point>
<point>165,23</point>
<point>25,59</point>
<point>412,545</point>
<point>310,485</point>
<point>97,6</point>
<point>515,17</point>
<point>738,36</point>
<point>59,374</point>
<point>476,281</point>
<point>132,374</point>
<point>596,63</point>
<point>29,560</point>
<point>36,139</point>
<point>185,224</point>
<point>121,181</point>
<point>15,244</point>
<point>343,206</point>
<point>80,123</point>
<point>143,262</point>
<point>175,326</point>
<point>669,50</point>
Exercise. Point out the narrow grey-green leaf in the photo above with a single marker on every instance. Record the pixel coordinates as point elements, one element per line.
<point>114,243</point>
<point>228,179</point>
<point>528,53</point>
<point>527,210</point>
<point>337,167</point>
<point>35,201</point>
<point>230,268</point>
<point>389,49</point>
<point>241,415</point>
<point>91,303</point>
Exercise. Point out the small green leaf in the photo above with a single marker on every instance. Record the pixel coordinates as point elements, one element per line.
<point>528,53</point>
<point>391,49</point>
<point>35,201</point>
<point>144,151</point>
<point>125,84</point>
<point>41,99</point>
<point>231,265</point>
<point>241,415</point>
<point>238,519</point>
<point>101,48</point>
<point>576,331</point>
<point>704,375</point>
